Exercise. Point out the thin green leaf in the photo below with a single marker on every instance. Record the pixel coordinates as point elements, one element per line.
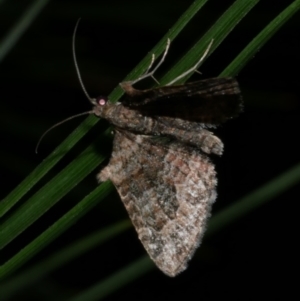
<point>11,199</point>
<point>48,195</point>
<point>260,40</point>
<point>10,40</point>
<point>34,208</point>
<point>60,258</point>
<point>254,200</point>
<point>56,229</point>
<point>276,187</point>
<point>68,178</point>
<point>14,196</point>
<point>218,222</point>
<point>218,32</point>
<point>128,274</point>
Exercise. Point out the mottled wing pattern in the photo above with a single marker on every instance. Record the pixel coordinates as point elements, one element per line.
<point>168,189</point>
<point>211,101</point>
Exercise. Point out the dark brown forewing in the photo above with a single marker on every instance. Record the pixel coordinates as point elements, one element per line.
<point>211,100</point>
<point>167,189</point>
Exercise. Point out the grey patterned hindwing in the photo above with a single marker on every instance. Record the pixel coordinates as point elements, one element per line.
<point>168,189</point>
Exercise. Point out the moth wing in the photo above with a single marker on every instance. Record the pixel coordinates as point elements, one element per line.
<point>212,100</point>
<point>168,189</point>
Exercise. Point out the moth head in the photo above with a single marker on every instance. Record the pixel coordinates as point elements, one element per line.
<point>101,105</point>
<point>99,101</point>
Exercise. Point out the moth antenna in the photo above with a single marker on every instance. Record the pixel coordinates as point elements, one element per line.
<point>76,65</point>
<point>194,68</point>
<point>150,74</point>
<point>57,124</point>
<point>197,71</point>
<point>155,80</point>
<point>92,100</point>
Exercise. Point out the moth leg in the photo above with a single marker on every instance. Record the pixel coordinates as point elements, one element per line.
<point>151,74</point>
<point>151,64</point>
<point>194,68</point>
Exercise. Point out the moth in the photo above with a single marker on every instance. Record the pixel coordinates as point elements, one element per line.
<point>160,162</point>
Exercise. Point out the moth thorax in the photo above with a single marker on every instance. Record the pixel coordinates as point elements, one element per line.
<point>102,106</point>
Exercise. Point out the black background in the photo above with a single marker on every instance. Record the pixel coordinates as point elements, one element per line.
<point>253,257</point>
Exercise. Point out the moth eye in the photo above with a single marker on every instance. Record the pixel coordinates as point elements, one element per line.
<point>102,100</point>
